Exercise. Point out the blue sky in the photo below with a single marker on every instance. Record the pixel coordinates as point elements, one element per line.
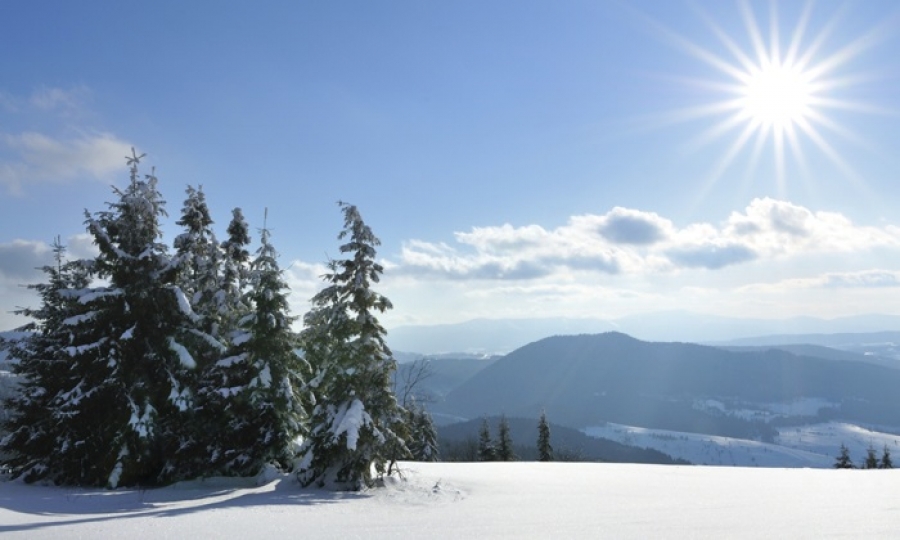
<point>584,159</point>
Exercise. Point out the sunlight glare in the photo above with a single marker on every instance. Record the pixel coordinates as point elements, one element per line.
<point>774,94</point>
<point>777,96</point>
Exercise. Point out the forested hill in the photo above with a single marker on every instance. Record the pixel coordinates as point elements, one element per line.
<point>588,379</point>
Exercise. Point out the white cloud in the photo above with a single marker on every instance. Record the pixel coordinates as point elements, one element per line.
<point>626,226</point>
<point>304,280</point>
<point>65,101</point>
<point>81,246</point>
<point>771,228</point>
<point>64,149</point>
<point>710,255</point>
<point>21,260</point>
<point>773,258</point>
<point>627,241</point>
<point>863,279</point>
<point>38,158</point>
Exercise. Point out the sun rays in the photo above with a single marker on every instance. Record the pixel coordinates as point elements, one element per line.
<point>774,95</point>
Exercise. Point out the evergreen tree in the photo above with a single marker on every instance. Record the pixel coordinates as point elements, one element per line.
<point>199,258</point>
<point>504,446</point>
<point>886,462</point>
<point>235,272</point>
<point>257,393</point>
<point>843,460</point>
<point>423,439</point>
<point>871,459</point>
<point>224,413</point>
<point>45,434</point>
<point>356,424</point>
<point>142,364</point>
<point>545,451</point>
<point>486,449</point>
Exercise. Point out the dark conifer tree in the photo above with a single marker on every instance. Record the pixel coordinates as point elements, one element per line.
<point>886,462</point>
<point>486,449</point>
<point>198,257</point>
<point>423,439</point>
<point>843,460</point>
<point>229,444</point>
<point>871,458</point>
<point>545,451</point>
<point>46,434</point>
<point>235,272</point>
<point>261,406</point>
<point>143,359</point>
<point>504,445</point>
<point>356,424</point>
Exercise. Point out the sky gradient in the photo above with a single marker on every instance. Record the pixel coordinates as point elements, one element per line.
<point>581,159</point>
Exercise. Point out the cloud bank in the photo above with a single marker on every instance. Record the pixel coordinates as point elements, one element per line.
<point>771,259</point>
<point>629,241</point>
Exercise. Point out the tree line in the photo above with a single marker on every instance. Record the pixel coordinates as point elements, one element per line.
<point>146,365</point>
<point>502,449</point>
<point>871,461</point>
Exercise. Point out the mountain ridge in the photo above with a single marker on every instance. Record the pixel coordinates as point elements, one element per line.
<point>612,377</point>
<point>500,336</point>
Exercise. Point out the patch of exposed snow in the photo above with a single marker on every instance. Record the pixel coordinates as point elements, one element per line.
<point>808,446</point>
<point>479,500</point>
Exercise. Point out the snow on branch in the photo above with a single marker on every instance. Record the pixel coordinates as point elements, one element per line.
<point>183,355</point>
<point>89,297</point>
<point>78,319</point>
<point>184,304</point>
<point>350,420</point>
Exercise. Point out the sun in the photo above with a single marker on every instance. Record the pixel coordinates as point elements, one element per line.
<point>777,97</point>
<point>774,93</point>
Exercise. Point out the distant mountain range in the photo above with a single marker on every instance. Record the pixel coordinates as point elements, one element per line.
<point>500,336</point>
<point>587,380</point>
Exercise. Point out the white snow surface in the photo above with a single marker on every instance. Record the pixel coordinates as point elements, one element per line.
<point>479,500</point>
<point>815,445</point>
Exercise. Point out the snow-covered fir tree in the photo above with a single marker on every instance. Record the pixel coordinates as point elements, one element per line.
<point>199,258</point>
<point>356,425</point>
<point>486,449</point>
<point>142,423</point>
<point>9,386</point>
<point>257,392</point>
<point>235,272</point>
<point>423,438</point>
<point>545,450</point>
<point>504,444</point>
<point>47,428</point>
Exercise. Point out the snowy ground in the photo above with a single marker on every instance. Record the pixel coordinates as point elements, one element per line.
<point>806,446</point>
<point>481,500</point>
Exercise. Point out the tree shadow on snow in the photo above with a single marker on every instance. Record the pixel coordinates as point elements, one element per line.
<point>62,507</point>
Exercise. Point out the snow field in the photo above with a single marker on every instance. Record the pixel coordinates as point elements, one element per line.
<point>480,500</point>
<point>814,445</point>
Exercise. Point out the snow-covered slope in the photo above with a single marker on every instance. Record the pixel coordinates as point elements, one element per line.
<point>481,500</point>
<point>805,446</point>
